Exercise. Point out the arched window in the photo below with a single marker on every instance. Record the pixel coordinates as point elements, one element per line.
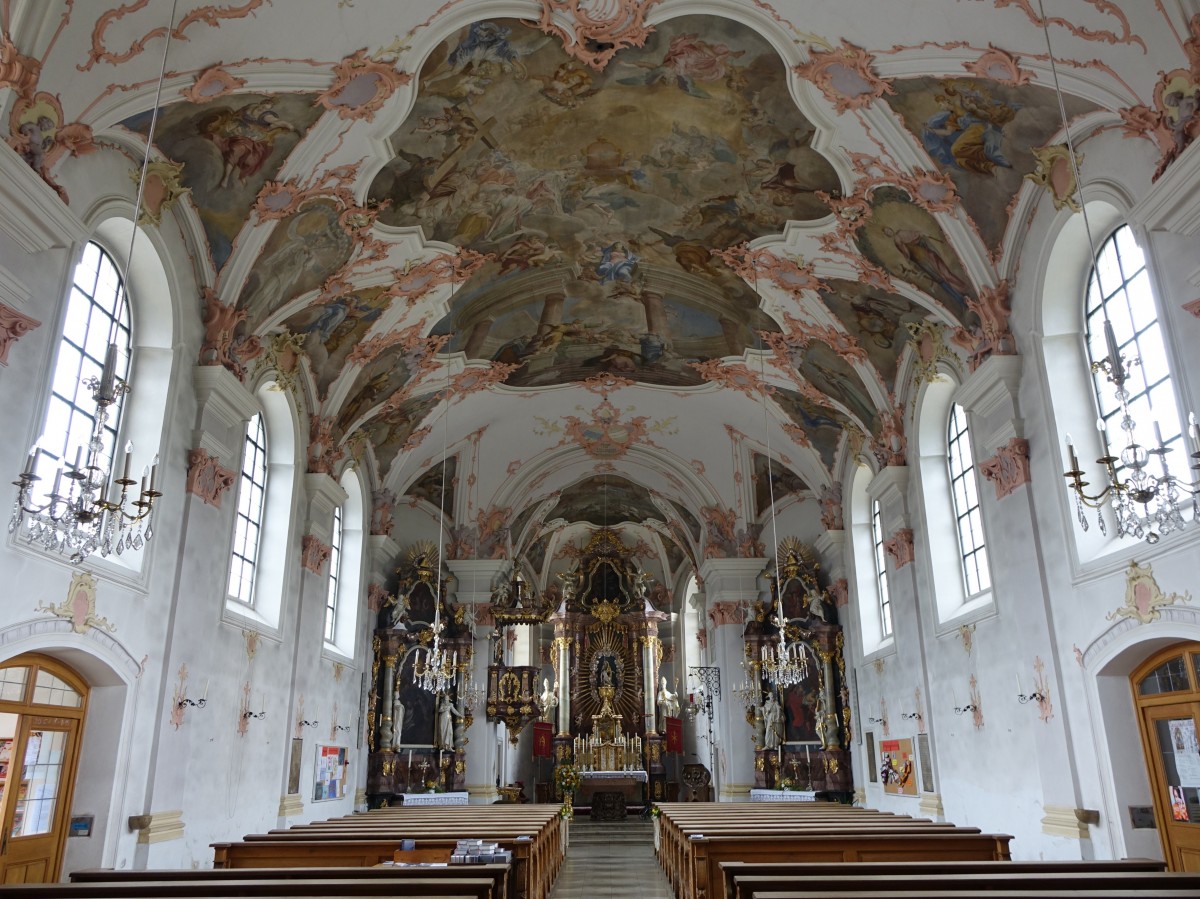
<point>881,581</point>
<point>248,523</point>
<point>259,571</point>
<point>335,564</point>
<point>97,315</point>
<point>1119,292</point>
<point>964,491</point>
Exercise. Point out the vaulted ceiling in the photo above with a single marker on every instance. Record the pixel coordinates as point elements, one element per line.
<point>613,256</point>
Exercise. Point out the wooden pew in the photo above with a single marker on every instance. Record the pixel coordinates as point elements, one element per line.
<point>198,888</point>
<point>535,837</point>
<point>743,877</point>
<point>398,875</point>
<point>693,841</point>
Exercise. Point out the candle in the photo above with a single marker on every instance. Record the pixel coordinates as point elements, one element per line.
<point>205,696</point>
<point>78,452</point>
<point>1110,338</point>
<point>1071,454</point>
<point>109,374</point>
<point>410,760</point>
<point>807,759</point>
<point>1020,692</point>
<point>1158,435</point>
<point>57,481</point>
<point>1193,428</point>
<point>128,460</point>
<point>35,451</point>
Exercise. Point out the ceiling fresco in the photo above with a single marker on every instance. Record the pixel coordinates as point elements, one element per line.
<point>611,189</point>
<point>774,481</point>
<point>595,252</point>
<point>229,150</point>
<point>982,134</point>
<point>605,500</point>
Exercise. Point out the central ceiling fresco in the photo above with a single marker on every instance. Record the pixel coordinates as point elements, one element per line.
<point>600,198</point>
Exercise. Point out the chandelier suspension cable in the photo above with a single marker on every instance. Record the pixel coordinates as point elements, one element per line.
<point>1158,496</point>
<point>123,297</point>
<point>784,665</point>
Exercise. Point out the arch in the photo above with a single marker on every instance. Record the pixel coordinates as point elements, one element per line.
<point>1108,662</point>
<point>280,422</point>
<point>349,578</point>
<point>113,677</point>
<point>937,510</point>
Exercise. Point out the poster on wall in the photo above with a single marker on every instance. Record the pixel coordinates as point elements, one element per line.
<point>898,767</point>
<point>1186,750</point>
<point>330,773</point>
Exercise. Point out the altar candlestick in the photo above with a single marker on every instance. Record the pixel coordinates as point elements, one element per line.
<point>410,760</point>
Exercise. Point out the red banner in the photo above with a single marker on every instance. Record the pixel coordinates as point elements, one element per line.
<point>543,739</point>
<point>674,735</point>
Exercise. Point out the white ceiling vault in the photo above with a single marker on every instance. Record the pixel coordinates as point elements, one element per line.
<point>610,254</point>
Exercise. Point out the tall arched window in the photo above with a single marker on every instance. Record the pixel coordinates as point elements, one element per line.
<point>248,524</point>
<point>1119,292</point>
<point>964,490</point>
<point>335,564</point>
<point>881,581</point>
<point>97,314</point>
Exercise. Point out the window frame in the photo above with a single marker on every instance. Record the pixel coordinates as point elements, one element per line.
<point>882,587</point>
<point>960,449</point>
<point>332,596</point>
<point>255,452</point>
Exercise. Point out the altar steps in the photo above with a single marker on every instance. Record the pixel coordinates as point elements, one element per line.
<point>619,834</point>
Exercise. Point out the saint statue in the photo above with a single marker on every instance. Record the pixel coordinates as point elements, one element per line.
<point>772,715</point>
<point>668,702</point>
<point>397,720</point>
<point>445,723</point>
<point>548,701</point>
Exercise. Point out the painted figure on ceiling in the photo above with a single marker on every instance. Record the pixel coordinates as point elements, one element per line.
<point>968,130</point>
<point>244,137</point>
<point>921,251</point>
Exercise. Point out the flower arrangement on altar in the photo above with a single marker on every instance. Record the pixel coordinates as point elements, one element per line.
<point>566,778</point>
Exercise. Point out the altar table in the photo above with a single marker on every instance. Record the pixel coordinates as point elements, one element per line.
<point>630,784</point>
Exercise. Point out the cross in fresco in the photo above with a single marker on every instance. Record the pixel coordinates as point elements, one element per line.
<point>481,131</point>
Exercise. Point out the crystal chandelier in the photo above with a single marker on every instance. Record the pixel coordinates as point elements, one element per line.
<point>84,519</point>
<point>94,512</point>
<point>784,664</point>
<point>1144,504</point>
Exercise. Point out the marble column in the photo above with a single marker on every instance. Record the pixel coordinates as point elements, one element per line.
<point>473,589</point>
<point>656,314</point>
<point>730,585</point>
<point>478,334</point>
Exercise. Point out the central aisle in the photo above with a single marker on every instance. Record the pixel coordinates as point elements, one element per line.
<point>611,860</point>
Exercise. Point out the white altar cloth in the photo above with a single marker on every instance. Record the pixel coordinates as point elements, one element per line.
<point>614,775</point>
<point>783,796</point>
<point>457,798</point>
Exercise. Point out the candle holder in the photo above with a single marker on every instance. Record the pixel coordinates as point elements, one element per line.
<point>194,703</point>
<point>247,714</point>
<point>964,709</point>
<point>307,723</point>
<point>1035,696</point>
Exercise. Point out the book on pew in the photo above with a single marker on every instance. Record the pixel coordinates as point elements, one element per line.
<point>477,852</point>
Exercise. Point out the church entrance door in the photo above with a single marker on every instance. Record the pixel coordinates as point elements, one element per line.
<point>42,705</point>
<point>1166,689</point>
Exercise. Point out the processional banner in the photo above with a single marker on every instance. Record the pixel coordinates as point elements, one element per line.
<point>674,735</point>
<point>543,739</point>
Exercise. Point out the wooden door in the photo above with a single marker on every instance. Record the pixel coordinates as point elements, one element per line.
<point>42,705</point>
<point>1166,689</point>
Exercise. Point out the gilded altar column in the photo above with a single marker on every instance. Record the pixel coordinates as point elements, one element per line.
<point>651,659</point>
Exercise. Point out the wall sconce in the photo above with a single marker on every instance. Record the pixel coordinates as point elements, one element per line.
<point>246,714</point>
<point>911,716</point>
<point>1035,696</point>
<point>882,721</point>
<point>344,728</point>
<point>195,703</point>
<point>964,709</point>
<point>307,723</point>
